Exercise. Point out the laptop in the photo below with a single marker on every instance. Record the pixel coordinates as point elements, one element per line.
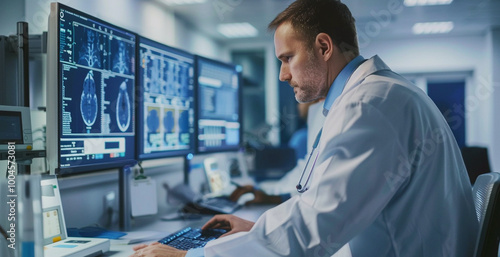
<point>55,239</point>
<point>220,187</point>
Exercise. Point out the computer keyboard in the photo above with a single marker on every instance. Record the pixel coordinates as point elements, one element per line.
<point>190,238</point>
<point>220,202</point>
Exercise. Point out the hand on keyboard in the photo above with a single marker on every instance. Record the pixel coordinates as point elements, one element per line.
<point>228,222</point>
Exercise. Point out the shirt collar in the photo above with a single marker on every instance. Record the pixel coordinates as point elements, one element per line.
<point>340,81</point>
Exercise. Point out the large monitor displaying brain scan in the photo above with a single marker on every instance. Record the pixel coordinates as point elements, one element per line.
<point>90,93</point>
<point>166,102</point>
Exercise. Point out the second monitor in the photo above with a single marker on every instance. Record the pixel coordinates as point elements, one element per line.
<point>219,113</point>
<point>166,103</point>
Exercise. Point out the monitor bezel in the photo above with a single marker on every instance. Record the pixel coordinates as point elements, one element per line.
<point>54,165</point>
<point>234,67</point>
<point>140,155</point>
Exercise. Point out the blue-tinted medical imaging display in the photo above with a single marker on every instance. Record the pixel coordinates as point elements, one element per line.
<point>219,121</point>
<point>166,107</point>
<point>96,85</point>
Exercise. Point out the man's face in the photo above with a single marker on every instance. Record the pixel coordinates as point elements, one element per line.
<point>301,67</point>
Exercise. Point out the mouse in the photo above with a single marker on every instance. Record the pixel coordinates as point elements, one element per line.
<point>245,198</point>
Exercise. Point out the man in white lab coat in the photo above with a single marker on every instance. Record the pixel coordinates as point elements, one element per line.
<point>387,179</point>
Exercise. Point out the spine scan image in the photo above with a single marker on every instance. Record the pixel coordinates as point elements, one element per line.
<point>89,52</point>
<point>119,63</point>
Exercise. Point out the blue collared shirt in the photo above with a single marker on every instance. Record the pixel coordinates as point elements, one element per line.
<point>340,81</point>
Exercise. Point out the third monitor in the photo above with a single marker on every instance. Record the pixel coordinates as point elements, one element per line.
<point>218,95</point>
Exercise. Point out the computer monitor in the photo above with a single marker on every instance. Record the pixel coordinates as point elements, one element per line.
<point>218,112</point>
<point>165,110</point>
<point>90,93</point>
<point>15,128</point>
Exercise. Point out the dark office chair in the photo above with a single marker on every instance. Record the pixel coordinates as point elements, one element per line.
<point>486,192</point>
<point>476,161</point>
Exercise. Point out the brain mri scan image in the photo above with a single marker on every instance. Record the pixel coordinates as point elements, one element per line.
<point>88,101</point>
<point>123,108</point>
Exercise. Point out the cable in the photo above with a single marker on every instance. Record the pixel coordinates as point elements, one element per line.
<point>141,172</point>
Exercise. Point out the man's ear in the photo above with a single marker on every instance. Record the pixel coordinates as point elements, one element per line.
<point>325,45</point>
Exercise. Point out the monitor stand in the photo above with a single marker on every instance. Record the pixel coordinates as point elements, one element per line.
<point>124,193</point>
<point>187,167</point>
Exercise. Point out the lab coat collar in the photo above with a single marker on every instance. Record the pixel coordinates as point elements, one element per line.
<point>366,68</point>
<point>340,81</point>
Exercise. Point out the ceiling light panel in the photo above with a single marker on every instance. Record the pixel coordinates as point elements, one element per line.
<point>182,2</point>
<point>426,2</point>
<point>432,27</point>
<point>237,30</point>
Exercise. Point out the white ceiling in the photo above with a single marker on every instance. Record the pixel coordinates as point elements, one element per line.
<point>471,17</point>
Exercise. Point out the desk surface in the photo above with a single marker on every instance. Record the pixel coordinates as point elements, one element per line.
<point>247,212</point>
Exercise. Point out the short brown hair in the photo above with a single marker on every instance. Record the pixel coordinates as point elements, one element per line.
<point>311,17</point>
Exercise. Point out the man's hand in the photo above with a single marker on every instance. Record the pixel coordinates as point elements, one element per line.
<point>260,196</point>
<point>157,250</point>
<point>229,222</point>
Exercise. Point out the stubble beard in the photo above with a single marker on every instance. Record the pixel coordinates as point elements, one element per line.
<point>313,84</point>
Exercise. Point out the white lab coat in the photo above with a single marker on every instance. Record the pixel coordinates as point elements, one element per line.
<point>389,181</point>
<point>287,183</point>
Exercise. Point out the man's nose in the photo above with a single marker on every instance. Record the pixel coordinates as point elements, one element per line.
<point>284,74</point>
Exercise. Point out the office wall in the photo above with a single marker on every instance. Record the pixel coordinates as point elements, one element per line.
<point>493,53</point>
<point>10,13</point>
<point>198,43</point>
<point>148,18</point>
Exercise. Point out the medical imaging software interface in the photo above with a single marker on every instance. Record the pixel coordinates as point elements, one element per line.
<point>96,69</point>
<point>218,96</point>
<point>167,105</point>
